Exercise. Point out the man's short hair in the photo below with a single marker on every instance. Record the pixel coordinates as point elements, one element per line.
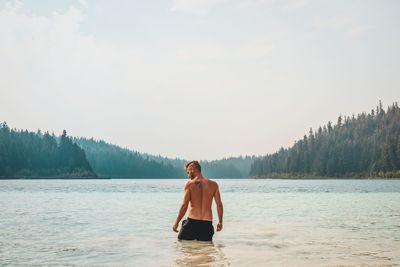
<point>195,163</point>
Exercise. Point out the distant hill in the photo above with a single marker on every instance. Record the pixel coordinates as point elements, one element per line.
<point>26,154</point>
<point>232,167</point>
<point>113,161</point>
<point>109,160</point>
<point>364,146</point>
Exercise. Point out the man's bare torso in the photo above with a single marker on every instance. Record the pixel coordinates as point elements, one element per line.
<point>201,196</point>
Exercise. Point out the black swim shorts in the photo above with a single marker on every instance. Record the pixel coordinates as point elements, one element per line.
<point>196,230</point>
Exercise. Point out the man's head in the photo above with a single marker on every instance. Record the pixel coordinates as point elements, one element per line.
<point>193,168</point>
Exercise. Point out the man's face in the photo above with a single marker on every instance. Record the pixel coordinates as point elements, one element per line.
<point>191,171</point>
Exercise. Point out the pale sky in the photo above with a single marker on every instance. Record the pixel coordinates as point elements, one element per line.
<point>195,79</point>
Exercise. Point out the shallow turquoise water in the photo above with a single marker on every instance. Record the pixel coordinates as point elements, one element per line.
<point>267,223</point>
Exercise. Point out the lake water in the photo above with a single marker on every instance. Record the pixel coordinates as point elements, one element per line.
<point>266,223</point>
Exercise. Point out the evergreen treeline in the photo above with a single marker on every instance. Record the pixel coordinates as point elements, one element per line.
<point>113,161</point>
<point>365,146</point>
<point>26,154</point>
<point>233,167</point>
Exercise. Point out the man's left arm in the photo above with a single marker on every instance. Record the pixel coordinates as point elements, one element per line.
<point>183,208</point>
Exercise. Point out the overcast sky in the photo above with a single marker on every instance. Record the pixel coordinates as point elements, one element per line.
<point>195,79</point>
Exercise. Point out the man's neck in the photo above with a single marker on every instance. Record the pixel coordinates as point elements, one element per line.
<point>199,178</point>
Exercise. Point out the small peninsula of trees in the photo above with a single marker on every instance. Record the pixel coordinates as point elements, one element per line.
<point>26,154</point>
<point>364,146</point>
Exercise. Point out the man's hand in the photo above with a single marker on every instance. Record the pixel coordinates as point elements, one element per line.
<point>175,227</point>
<point>219,226</point>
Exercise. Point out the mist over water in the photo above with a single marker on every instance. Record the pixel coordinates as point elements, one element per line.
<point>266,223</point>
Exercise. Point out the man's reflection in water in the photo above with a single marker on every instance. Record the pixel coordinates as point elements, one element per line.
<point>200,253</point>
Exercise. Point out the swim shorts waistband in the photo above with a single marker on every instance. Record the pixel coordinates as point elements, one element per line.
<point>199,221</point>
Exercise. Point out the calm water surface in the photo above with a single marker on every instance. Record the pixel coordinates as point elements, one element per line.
<point>267,223</point>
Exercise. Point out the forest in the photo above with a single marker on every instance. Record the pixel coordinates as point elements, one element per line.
<point>112,161</point>
<point>26,154</point>
<point>231,167</point>
<point>109,160</point>
<point>366,145</point>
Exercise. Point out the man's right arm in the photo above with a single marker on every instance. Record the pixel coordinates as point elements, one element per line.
<point>183,208</point>
<point>220,208</point>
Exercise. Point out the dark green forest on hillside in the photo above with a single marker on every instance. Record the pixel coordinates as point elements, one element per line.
<point>113,161</point>
<point>364,146</point>
<point>26,154</point>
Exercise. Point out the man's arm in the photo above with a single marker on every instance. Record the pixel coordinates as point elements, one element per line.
<point>220,208</point>
<point>183,208</point>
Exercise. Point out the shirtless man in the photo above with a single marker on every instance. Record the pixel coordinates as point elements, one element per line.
<point>198,196</point>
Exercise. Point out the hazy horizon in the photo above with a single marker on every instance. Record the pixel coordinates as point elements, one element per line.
<point>195,79</point>
<point>179,158</point>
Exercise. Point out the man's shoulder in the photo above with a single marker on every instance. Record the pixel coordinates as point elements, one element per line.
<point>212,183</point>
<point>188,184</point>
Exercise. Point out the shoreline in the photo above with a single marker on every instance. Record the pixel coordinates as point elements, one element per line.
<point>323,178</point>
<point>53,178</point>
<point>244,178</point>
